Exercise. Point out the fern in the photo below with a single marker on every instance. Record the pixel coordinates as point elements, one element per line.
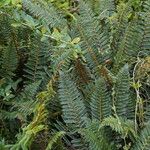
<point>79,46</point>
<point>122,93</point>
<point>119,23</point>
<point>73,109</point>
<point>139,29</point>
<point>38,64</point>
<point>9,61</point>
<point>49,15</point>
<point>5,29</point>
<point>100,101</point>
<point>129,50</point>
<point>146,32</point>
<point>95,41</point>
<point>71,100</point>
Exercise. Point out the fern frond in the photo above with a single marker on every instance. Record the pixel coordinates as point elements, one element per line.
<point>100,101</point>
<point>71,100</point>
<point>49,14</point>
<point>119,23</point>
<point>38,64</point>
<point>5,29</point>
<point>9,61</point>
<point>122,93</point>
<point>8,115</point>
<point>95,42</point>
<point>128,51</point>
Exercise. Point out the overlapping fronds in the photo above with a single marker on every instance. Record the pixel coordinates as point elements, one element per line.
<point>90,52</point>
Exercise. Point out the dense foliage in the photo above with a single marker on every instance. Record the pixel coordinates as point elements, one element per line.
<point>75,74</point>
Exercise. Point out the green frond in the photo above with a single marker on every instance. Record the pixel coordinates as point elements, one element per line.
<point>102,8</point>
<point>38,64</point>
<point>114,123</point>
<point>95,41</point>
<point>74,112</point>
<point>100,100</point>
<point>30,90</point>
<point>9,61</point>
<point>122,93</point>
<point>5,29</point>
<point>48,14</point>
<point>8,115</point>
<point>128,50</point>
<point>71,101</point>
<point>119,22</point>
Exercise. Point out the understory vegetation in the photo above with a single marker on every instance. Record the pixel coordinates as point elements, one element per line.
<point>75,75</point>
